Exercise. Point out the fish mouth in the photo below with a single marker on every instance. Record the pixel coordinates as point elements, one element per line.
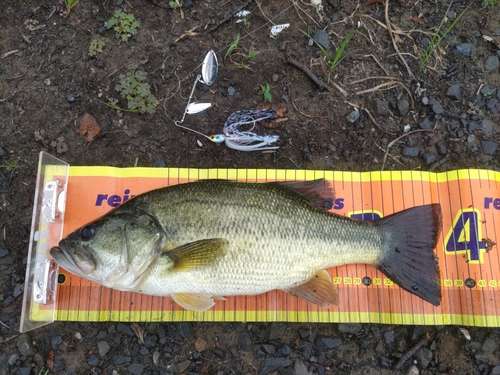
<point>64,259</point>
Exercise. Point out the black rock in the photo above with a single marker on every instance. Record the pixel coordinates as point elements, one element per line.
<point>277,331</point>
<point>489,346</point>
<point>3,154</point>
<point>121,359</point>
<point>184,329</point>
<point>385,362</point>
<point>380,348</point>
<point>101,335</point>
<point>489,147</point>
<point>285,350</point>
<point>93,360</point>
<point>56,341</point>
<point>411,151</point>
<point>269,349</point>
<point>103,348</point>
<point>389,337</point>
<point>3,251</point>
<point>25,346</point>
<point>58,365</point>
<point>24,371</point>
<point>441,148</point>
<point>306,347</point>
<point>159,163</point>
<point>382,107</point>
<point>423,357</point>
<point>491,62</point>
<point>429,157</point>
<point>403,107</point>
<point>352,328</point>
<point>491,103</point>
<point>244,341</point>
<point>463,48</point>
<point>473,125</point>
<point>124,328</point>
<point>495,370</point>
<point>273,364</point>
<point>425,123</point>
<point>321,37</point>
<point>437,108</point>
<point>454,92</point>
<point>425,41</point>
<point>487,91</point>
<point>150,341</point>
<point>327,343</point>
<point>365,344</point>
<point>136,368</point>
<point>187,4</point>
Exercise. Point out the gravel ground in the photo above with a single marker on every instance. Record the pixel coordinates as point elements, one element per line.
<point>377,110</point>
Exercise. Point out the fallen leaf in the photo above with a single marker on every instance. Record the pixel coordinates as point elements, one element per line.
<point>200,344</point>
<point>139,332</point>
<point>279,111</point>
<point>89,127</point>
<point>418,20</point>
<point>50,360</point>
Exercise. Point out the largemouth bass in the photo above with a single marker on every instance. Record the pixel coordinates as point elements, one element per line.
<point>200,241</point>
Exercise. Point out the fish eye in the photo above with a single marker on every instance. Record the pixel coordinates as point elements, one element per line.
<point>87,233</point>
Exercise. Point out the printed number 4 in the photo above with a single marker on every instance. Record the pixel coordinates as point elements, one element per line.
<point>464,236</point>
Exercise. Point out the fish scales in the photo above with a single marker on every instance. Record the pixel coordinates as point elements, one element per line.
<point>275,236</point>
<point>202,240</point>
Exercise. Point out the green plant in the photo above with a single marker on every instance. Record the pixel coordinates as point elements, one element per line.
<point>8,165</point>
<point>136,90</point>
<point>173,4</point>
<point>266,91</point>
<point>233,45</point>
<point>96,46</point>
<point>70,4</point>
<point>437,38</point>
<point>491,2</point>
<point>339,54</point>
<point>124,24</point>
<point>246,22</point>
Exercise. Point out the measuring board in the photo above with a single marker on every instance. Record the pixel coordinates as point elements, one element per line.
<point>470,275</point>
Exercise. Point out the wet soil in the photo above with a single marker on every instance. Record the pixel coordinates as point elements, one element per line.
<point>378,109</point>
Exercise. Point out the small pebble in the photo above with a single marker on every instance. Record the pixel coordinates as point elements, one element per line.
<point>93,360</point>
<point>353,116</point>
<point>321,37</point>
<point>425,100</point>
<point>78,335</point>
<point>425,123</point>
<point>491,62</point>
<point>403,107</point>
<point>489,147</point>
<point>410,151</point>
<point>103,348</point>
<point>463,48</point>
<point>137,368</point>
<point>454,92</point>
<point>382,107</point>
<point>437,108</point>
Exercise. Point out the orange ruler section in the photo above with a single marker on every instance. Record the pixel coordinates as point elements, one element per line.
<point>470,275</point>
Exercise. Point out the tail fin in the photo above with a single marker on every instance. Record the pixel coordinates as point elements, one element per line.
<point>409,259</point>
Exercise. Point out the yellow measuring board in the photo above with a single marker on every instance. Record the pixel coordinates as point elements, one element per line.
<point>470,275</point>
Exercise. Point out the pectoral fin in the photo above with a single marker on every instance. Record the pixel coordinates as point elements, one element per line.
<point>319,290</point>
<point>194,301</point>
<point>198,254</point>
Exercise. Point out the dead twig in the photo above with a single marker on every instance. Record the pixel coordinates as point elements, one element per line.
<point>399,138</point>
<point>438,163</point>
<point>322,85</point>
<point>8,53</point>
<point>412,351</point>
<point>388,23</point>
<point>376,123</point>
<point>369,78</point>
<point>382,85</point>
<point>305,114</point>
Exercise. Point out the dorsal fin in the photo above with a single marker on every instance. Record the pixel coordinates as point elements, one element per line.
<point>320,192</point>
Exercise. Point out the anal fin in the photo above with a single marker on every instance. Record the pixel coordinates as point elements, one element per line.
<point>194,301</point>
<point>318,290</point>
